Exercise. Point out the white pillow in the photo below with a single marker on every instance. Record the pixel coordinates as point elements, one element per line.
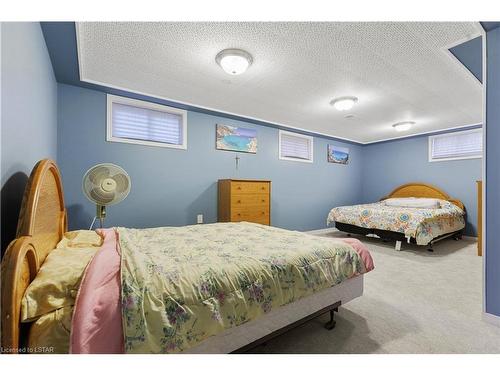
<point>413,202</point>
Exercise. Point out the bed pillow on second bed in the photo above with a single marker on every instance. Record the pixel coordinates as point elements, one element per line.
<point>413,202</point>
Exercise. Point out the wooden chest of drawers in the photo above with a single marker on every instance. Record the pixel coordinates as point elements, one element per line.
<point>245,200</point>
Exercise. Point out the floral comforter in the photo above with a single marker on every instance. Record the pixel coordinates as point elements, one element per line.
<point>183,284</point>
<point>421,224</point>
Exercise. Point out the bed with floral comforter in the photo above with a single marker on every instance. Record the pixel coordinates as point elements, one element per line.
<point>422,224</point>
<point>177,286</point>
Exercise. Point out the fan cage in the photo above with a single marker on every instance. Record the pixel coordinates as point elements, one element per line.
<point>92,188</point>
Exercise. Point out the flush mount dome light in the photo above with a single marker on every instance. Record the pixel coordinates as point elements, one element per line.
<point>403,126</point>
<point>234,61</point>
<point>344,103</point>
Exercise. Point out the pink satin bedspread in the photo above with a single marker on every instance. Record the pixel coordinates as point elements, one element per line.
<point>97,320</point>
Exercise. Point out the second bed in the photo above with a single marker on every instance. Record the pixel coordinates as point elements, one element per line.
<point>415,213</point>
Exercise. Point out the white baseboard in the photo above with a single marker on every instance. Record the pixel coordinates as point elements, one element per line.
<point>492,319</point>
<point>322,231</point>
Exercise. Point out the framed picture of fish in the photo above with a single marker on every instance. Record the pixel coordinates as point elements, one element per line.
<point>338,155</point>
<point>232,138</point>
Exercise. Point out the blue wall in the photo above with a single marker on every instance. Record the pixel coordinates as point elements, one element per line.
<point>493,172</point>
<point>470,54</point>
<point>29,112</point>
<point>169,187</point>
<point>186,179</point>
<point>390,164</point>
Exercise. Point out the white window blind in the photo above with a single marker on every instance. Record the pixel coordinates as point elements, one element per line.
<point>133,121</point>
<point>458,145</point>
<point>295,146</point>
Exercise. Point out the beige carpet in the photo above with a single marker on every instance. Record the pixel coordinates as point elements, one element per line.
<point>414,301</point>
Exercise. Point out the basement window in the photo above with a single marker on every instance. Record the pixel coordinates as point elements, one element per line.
<point>295,147</point>
<point>144,123</point>
<point>456,146</point>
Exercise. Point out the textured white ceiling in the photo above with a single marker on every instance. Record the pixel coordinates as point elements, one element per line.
<point>399,71</point>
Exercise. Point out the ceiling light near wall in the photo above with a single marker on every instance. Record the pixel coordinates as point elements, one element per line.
<point>234,61</point>
<point>403,126</point>
<point>344,103</point>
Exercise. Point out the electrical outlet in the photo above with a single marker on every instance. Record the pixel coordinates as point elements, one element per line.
<point>199,219</point>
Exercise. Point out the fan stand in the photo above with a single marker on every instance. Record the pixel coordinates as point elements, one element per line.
<point>100,214</point>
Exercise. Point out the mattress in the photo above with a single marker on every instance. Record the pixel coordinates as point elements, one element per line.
<point>422,224</point>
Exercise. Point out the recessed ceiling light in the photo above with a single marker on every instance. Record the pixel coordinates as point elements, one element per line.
<point>344,103</point>
<point>234,61</point>
<point>403,126</point>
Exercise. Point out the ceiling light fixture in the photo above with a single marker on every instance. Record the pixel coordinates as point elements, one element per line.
<point>234,61</point>
<point>344,103</point>
<point>403,126</point>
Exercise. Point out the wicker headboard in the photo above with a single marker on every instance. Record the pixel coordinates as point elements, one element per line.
<point>420,190</point>
<point>41,225</point>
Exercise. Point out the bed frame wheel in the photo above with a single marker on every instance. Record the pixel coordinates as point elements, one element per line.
<point>457,237</point>
<point>331,323</point>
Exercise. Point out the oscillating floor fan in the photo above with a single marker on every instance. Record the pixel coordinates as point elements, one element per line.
<point>105,184</point>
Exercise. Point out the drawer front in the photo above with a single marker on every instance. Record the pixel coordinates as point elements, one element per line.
<point>249,187</point>
<point>253,215</point>
<point>249,200</point>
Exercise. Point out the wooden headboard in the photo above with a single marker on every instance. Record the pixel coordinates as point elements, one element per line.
<point>420,190</point>
<point>41,225</point>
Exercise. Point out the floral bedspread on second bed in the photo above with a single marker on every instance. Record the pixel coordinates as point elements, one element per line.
<point>181,285</point>
<point>423,224</point>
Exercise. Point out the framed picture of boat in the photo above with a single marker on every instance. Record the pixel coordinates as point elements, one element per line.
<point>338,155</point>
<point>232,138</point>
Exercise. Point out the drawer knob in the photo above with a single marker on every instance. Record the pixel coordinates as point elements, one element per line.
<point>263,200</point>
<point>239,201</point>
<point>239,188</point>
<point>263,188</point>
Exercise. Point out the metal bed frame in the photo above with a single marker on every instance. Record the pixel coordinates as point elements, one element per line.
<point>387,235</point>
